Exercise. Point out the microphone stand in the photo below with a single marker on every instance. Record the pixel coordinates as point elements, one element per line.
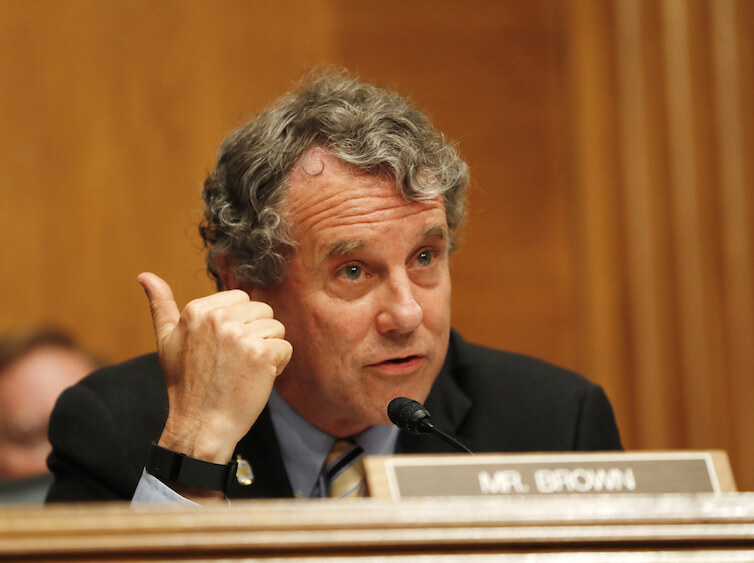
<point>429,428</point>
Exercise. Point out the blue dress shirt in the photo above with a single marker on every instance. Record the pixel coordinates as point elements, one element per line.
<point>303,446</point>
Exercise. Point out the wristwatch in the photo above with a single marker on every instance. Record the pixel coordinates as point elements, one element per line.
<point>182,469</point>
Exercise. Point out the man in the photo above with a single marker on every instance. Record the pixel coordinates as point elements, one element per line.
<point>329,223</point>
<point>35,366</point>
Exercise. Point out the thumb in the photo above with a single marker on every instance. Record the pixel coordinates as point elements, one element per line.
<point>165,313</point>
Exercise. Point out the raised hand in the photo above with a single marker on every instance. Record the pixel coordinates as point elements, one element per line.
<point>220,356</point>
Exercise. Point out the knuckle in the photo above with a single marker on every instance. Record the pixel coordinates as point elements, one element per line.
<point>192,311</point>
<point>263,310</point>
<point>277,328</point>
<point>226,333</point>
<point>217,318</point>
<point>288,350</point>
<point>285,357</point>
<point>253,349</point>
<point>238,294</point>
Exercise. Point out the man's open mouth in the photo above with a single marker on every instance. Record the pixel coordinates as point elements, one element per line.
<point>400,360</point>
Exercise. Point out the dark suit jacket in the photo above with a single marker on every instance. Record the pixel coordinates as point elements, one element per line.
<point>102,428</point>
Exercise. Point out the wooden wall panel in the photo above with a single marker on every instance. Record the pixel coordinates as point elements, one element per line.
<point>595,178</point>
<point>677,114</point>
<point>733,59</point>
<point>734,91</point>
<point>694,215</point>
<point>111,115</point>
<point>649,269</point>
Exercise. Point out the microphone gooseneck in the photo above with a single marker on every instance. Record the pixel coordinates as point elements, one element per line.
<point>411,416</point>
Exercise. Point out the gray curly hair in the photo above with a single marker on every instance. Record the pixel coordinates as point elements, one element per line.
<point>370,128</point>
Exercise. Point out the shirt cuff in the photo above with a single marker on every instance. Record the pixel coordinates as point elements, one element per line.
<point>151,490</point>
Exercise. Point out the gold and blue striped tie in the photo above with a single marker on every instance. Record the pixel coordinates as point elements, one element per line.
<point>344,469</point>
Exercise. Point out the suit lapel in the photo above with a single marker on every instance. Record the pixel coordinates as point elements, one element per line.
<point>448,405</point>
<point>260,448</point>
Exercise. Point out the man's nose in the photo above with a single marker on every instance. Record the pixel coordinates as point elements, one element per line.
<point>400,312</point>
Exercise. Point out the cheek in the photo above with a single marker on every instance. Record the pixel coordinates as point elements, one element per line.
<point>435,304</point>
<point>331,331</point>
<point>26,460</point>
<point>343,325</point>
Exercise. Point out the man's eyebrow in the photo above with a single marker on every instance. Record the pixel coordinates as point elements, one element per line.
<point>436,231</point>
<point>343,247</point>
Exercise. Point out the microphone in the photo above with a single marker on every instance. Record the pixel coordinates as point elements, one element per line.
<point>411,416</point>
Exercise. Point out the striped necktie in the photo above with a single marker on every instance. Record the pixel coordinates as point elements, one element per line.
<point>344,469</point>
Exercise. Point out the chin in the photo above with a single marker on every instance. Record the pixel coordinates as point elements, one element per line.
<point>417,393</point>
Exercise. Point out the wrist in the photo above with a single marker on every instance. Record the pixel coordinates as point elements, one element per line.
<point>177,468</point>
<point>196,441</point>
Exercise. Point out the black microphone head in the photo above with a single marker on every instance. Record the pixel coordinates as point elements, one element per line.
<point>409,415</point>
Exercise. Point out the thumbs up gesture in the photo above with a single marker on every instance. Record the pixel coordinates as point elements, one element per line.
<point>220,356</point>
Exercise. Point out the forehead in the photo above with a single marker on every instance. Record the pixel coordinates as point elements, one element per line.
<point>326,199</point>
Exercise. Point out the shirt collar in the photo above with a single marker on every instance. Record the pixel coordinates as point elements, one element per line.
<point>304,447</point>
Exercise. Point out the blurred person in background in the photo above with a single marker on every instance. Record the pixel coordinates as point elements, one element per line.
<point>35,367</point>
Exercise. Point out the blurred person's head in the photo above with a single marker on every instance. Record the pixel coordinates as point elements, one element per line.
<point>35,367</point>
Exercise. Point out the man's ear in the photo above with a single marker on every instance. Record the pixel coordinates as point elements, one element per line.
<point>226,270</point>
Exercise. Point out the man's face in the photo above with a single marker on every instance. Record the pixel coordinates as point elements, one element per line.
<point>29,388</point>
<point>366,302</point>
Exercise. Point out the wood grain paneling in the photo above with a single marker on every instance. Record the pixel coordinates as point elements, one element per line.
<point>111,115</point>
<point>595,177</point>
<point>599,529</point>
<point>647,260</point>
<point>733,56</point>
<point>677,114</point>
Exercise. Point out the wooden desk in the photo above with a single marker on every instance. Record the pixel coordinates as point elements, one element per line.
<point>616,529</point>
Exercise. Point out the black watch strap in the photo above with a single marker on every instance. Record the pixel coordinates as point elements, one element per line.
<point>175,467</point>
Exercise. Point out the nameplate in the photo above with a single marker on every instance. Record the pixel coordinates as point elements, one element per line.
<point>402,476</point>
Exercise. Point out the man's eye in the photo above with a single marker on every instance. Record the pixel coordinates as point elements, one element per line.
<point>352,272</point>
<point>424,258</point>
